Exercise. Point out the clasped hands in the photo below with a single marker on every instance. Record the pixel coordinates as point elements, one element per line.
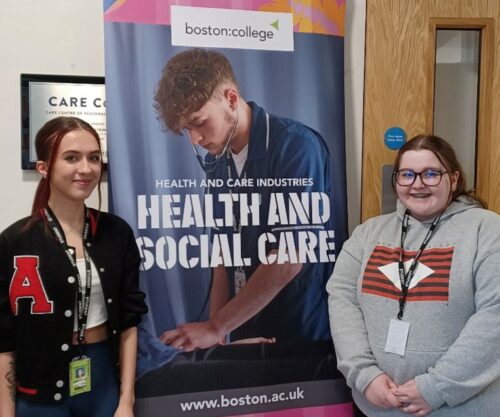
<point>382,392</point>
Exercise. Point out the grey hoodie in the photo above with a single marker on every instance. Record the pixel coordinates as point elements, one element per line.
<point>453,307</point>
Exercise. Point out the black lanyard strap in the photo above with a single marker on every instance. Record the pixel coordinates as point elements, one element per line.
<point>405,278</point>
<point>83,294</point>
<point>237,227</point>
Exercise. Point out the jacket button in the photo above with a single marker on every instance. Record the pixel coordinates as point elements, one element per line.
<point>72,251</point>
<point>60,384</point>
<point>114,331</point>
<point>64,347</point>
<point>101,269</point>
<point>68,313</point>
<point>71,280</point>
<point>89,244</point>
<point>110,300</point>
<point>57,397</point>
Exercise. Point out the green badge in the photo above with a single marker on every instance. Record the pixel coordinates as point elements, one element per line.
<point>79,376</point>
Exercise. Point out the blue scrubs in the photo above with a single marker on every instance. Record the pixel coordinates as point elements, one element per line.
<point>290,150</point>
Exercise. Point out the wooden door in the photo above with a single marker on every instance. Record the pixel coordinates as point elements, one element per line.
<point>399,85</point>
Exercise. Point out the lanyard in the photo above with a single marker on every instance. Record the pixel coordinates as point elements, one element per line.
<point>236,218</point>
<point>405,278</point>
<point>83,299</point>
<point>237,227</point>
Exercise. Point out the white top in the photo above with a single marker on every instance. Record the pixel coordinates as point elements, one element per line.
<point>97,308</point>
<point>240,159</point>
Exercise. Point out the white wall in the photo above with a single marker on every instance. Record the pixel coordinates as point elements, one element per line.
<point>354,70</point>
<point>66,38</point>
<point>40,37</point>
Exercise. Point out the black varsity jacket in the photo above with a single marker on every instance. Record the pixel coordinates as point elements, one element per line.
<point>38,291</point>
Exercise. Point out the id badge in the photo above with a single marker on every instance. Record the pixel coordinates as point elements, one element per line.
<point>397,337</point>
<point>240,280</point>
<point>79,376</point>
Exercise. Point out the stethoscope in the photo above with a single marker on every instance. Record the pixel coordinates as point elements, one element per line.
<point>210,166</point>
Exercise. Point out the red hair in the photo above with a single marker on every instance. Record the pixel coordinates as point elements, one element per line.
<point>445,153</point>
<point>47,142</point>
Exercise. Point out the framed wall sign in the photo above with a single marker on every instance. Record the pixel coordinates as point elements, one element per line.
<point>44,97</point>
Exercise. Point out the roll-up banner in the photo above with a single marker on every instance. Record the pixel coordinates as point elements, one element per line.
<point>226,154</point>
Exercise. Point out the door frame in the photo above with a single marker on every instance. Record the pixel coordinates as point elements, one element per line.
<point>423,19</point>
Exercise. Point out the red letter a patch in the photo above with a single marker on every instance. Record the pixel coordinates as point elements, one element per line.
<point>27,283</point>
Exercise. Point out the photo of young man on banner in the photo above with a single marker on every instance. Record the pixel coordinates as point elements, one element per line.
<point>278,245</point>
<point>228,159</point>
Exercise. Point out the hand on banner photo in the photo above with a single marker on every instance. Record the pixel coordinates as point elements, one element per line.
<point>380,392</point>
<point>190,336</point>
<point>411,400</point>
<point>254,340</point>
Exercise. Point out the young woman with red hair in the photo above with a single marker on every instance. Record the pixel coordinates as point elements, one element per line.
<point>69,297</point>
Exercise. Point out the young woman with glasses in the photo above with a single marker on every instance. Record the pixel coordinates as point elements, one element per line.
<point>415,295</point>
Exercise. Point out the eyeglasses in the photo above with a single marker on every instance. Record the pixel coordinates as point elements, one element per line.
<point>429,177</point>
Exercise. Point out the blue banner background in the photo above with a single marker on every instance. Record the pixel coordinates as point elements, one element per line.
<point>305,85</point>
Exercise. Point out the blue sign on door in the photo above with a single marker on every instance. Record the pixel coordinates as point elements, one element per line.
<point>394,138</point>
